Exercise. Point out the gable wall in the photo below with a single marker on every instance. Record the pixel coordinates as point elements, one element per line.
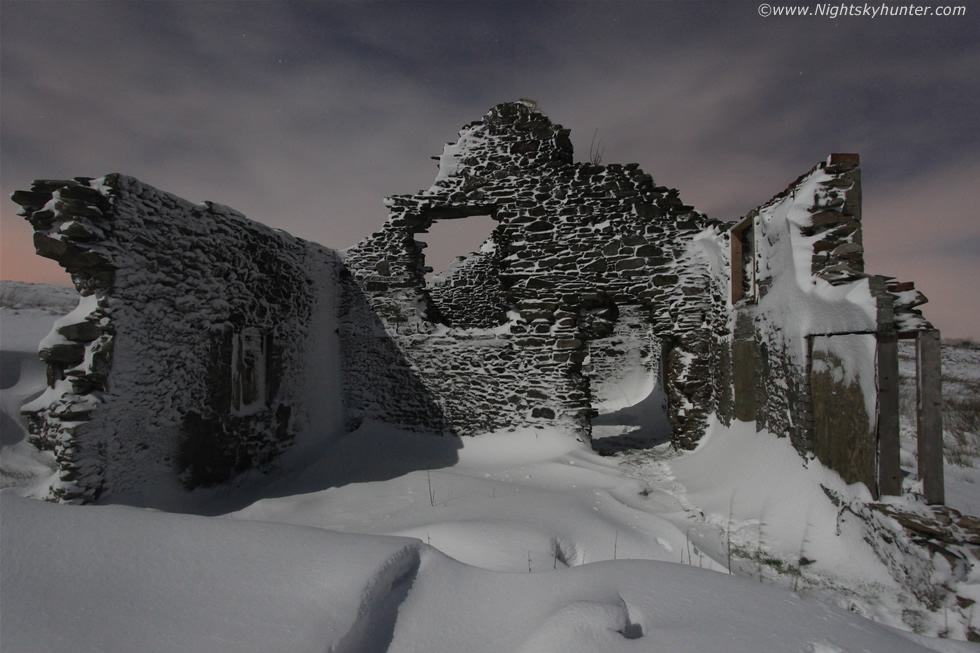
<point>156,375</point>
<point>574,242</point>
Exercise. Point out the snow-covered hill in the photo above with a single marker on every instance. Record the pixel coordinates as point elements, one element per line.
<point>19,295</point>
<point>386,540</point>
<point>27,312</point>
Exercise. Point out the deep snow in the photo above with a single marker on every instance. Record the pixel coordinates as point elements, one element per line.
<point>389,540</point>
<point>111,578</point>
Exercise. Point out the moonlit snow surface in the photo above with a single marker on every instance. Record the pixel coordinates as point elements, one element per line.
<point>123,579</point>
<point>384,540</point>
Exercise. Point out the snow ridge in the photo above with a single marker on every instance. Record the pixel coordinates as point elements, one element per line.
<point>383,594</point>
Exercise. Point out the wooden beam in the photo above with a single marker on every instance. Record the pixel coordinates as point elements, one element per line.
<point>929,399</point>
<point>743,379</point>
<point>889,446</point>
<point>736,265</point>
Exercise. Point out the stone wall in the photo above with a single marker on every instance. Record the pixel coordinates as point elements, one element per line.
<point>575,245</point>
<point>378,378</point>
<point>808,322</point>
<point>470,293</point>
<point>631,347</point>
<point>843,400</point>
<point>816,220</point>
<point>191,351</point>
<point>205,342</point>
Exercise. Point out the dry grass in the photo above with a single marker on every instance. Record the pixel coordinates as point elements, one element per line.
<point>961,430</point>
<point>961,413</point>
<point>965,343</point>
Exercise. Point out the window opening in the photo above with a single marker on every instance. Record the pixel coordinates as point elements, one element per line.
<point>248,371</point>
<point>449,240</point>
<point>743,261</point>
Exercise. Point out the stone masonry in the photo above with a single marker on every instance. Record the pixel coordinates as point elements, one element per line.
<point>187,351</point>
<point>581,254</point>
<point>204,339</point>
<point>814,354</point>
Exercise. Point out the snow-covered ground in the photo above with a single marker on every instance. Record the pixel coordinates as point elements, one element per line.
<point>961,422</point>
<point>386,540</point>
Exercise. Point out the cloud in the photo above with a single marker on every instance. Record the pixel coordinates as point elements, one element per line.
<point>304,115</point>
<point>926,229</point>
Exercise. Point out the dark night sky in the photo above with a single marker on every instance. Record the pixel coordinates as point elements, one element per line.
<point>304,115</point>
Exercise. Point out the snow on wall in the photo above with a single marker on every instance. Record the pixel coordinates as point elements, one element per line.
<point>844,402</point>
<point>808,323</point>
<point>574,244</point>
<point>191,351</point>
<point>624,367</point>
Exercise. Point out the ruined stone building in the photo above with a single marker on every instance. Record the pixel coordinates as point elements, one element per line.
<point>204,341</point>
